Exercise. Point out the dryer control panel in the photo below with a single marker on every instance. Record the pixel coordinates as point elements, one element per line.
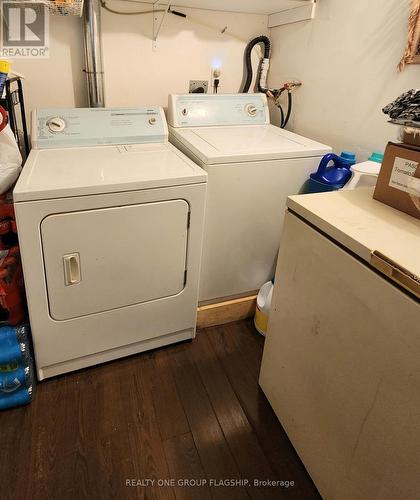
<point>204,110</point>
<point>78,127</point>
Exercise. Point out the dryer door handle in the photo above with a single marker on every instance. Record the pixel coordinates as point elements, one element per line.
<point>72,274</point>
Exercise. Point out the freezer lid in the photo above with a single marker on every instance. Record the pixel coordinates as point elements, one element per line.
<point>233,144</point>
<point>387,239</point>
<point>58,173</point>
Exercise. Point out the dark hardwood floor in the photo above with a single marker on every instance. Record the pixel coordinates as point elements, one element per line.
<point>189,412</point>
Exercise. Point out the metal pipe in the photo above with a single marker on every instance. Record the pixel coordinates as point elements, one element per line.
<point>93,53</point>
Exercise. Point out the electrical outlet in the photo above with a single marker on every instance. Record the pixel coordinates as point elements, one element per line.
<point>199,86</point>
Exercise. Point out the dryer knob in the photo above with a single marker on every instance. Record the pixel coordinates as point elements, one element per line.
<point>56,124</point>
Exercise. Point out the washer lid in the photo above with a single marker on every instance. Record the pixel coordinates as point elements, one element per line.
<point>60,173</point>
<point>232,144</point>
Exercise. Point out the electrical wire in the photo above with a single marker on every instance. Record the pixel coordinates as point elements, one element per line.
<point>284,119</point>
<point>281,115</point>
<point>223,31</point>
<point>135,13</point>
<point>289,109</point>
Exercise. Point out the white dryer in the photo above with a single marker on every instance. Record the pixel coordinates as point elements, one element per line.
<point>252,166</point>
<point>110,221</point>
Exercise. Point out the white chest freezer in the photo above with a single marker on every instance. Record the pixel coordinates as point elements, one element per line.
<point>341,364</point>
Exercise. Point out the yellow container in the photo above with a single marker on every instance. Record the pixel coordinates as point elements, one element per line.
<point>261,321</point>
<point>262,311</point>
<point>4,66</point>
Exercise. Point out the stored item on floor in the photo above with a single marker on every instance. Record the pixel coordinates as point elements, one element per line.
<point>14,104</point>
<point>398,183</point>
<point>12,292</point>
<point>21,332</point>
<point>14,346</point>
<point>18,398</point>
<point>341,358</point>
<point>16,367</point>
<point>110,220</point>
<point>4,71</point>
<point>366,173</point>
<point>10,159</point>
<point>13,380</point>
<point>3,118</point>
<point>262,310</point>
<point>252,167</point>
<point>333,173</point>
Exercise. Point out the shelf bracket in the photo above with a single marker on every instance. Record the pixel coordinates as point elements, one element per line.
<point>157,23</point>
<point>295,15</point>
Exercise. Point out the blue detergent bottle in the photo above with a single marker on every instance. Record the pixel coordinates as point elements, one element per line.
<point>13,350</point>
<point>14,345</point>
<point>14,380</point>
<point>19,398</point>
<point>333,173</point>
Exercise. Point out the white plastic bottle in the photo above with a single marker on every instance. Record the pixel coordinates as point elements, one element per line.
<point>263,307</point>
<point>10,159</point>
<point>366,173</point>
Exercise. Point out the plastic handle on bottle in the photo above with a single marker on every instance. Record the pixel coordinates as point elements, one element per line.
<point>325,161</point>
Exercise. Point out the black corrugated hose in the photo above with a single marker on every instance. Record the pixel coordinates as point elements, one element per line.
<point>262,77</point>
<point>248,63</point>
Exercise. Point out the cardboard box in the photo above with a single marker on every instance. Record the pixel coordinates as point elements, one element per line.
<point>398,183</point>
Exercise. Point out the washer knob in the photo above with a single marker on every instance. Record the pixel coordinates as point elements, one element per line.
<point>185,111</point>
<point>152,120</point>
<point>251,109</point>
<point>56,124</point>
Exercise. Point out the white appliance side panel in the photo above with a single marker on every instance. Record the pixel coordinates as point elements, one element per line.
<point>341,370</point>
<point>70,344</point>
<point>122,256</point>
<point>243,222</point>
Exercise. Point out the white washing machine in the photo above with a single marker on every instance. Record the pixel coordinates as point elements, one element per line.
<point>110,221</point>
<point>252,166</point>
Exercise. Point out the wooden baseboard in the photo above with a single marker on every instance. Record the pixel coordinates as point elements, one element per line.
<point>226,312</point>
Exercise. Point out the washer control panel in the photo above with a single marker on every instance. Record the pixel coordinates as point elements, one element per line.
<point>204,110</point>
<point>62,127</point>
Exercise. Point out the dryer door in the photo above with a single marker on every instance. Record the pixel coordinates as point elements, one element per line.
<point>103,259</point>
